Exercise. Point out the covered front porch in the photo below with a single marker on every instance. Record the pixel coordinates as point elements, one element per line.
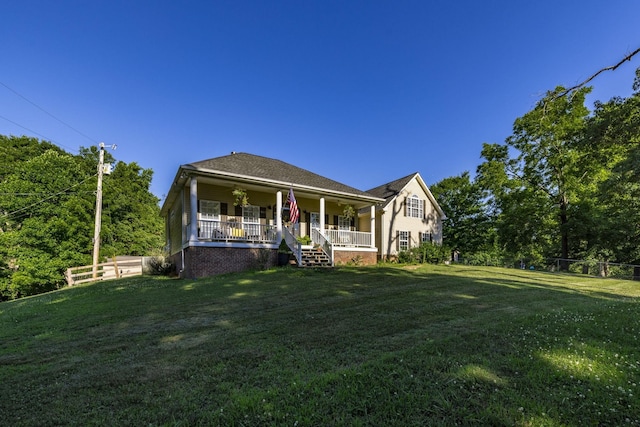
<point>326,221</point>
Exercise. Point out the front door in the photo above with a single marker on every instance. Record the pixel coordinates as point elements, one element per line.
<point>315,220</point>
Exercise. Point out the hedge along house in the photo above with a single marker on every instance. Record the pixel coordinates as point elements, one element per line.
<point>408,217</point>
<point>230,214</point>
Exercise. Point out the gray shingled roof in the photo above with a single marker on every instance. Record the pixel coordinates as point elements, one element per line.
<point>264,168</point>
<point>391,189</point>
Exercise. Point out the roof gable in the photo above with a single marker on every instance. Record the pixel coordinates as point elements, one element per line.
<point>391,190</point>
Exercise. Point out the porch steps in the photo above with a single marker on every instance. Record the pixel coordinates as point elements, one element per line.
<point>314,257</point>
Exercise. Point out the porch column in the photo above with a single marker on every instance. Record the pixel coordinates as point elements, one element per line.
<point>373,226</point>
<point>279,216</point>
<point>322,215</point>
<point>193,203</point>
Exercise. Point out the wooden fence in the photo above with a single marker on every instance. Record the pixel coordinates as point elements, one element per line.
<point>114,269</point>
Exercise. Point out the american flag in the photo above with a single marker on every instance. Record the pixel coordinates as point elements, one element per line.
<point>294,212</point>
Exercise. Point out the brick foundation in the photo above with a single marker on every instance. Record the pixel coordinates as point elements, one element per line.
<point>206,261</point>
<point>210,261</point>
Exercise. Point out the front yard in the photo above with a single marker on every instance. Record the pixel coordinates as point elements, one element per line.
<point>382,345</point>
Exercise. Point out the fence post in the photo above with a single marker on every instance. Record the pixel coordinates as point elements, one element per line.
<point>115,267</point>
<point>69,277</point>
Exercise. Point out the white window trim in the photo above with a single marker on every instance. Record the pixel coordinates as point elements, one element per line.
<point>342,220</point>
<point>212,207</point>
<point>251,219</point>
<point>415,207</point>
<point>403,240</point>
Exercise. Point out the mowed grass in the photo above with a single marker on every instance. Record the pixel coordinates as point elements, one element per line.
<point>384,345</point>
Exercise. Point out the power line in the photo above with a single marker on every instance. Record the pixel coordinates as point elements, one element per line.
<point>49,114</point>
<point>41,194</point>
<point>39,134</point>
<point>11,214</point>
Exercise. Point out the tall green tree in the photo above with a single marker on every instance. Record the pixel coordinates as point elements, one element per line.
<point>539,173</point>
<point>469,228</point>
<point>613,133</point>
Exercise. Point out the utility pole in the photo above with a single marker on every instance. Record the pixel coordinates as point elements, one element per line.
<point>96,231</point>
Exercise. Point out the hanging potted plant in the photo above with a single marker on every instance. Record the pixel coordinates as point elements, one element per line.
<point>348,212</point>
<point>240,197</point>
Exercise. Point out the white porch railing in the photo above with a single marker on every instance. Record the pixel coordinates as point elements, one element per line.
<point>347,238</point>
<point>235,231</point>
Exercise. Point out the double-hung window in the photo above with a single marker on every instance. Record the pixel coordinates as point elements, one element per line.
<point>251,219</point>
<point>209,210</point>
<point>209,218</point>
<point>415,207</point>
<point>344,223</point>
<point>403,240</point>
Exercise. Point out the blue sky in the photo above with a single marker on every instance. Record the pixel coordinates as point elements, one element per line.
<point>362,92</point>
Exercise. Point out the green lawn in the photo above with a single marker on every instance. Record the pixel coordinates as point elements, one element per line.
<point>434,345</point>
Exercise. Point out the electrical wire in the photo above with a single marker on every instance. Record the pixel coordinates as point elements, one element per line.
<point>49,114</point>
<point>39,134</point>
<point>41,194</point>
<point>12,214</point>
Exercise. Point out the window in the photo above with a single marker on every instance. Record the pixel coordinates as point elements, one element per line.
<point>344,223</point>
<point>403,240</point>
<point>251,214</point>
<point>210,210</point>
<point>425,237</point>
<point>251,220</point>
<point>415,207</point>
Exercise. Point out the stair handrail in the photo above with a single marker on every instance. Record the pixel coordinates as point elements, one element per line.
<point>318,238</point>
<point>293,244</point>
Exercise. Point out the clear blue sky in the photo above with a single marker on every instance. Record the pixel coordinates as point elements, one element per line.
<point>362,92</point>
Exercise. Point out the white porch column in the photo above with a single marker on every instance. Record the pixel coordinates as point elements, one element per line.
<point>279,216</point>
<point>193,203</point>
<point>373,226</point>
<point>322,215</point>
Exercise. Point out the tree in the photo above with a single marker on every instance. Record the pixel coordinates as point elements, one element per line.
<point>47,208</point>
<point>613,133</point>
<point>535,189</point>
<point>47,215</point>
<point>469,227</point>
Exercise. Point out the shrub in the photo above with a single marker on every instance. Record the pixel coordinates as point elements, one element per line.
<point>305,240</point>
<point>159,266</point>
<point>425,253</point>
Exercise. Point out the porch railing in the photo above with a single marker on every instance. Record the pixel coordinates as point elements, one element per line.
<point>235,231</point>
<point>348,238</point>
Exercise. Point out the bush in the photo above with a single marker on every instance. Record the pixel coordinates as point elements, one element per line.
<point>484,258</point>
<point>305,240</point>
<point>159,266</point>
<point>425,253</point>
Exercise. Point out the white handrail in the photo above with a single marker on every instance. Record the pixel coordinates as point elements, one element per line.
<point>294,245</point>
<point>318,238</point>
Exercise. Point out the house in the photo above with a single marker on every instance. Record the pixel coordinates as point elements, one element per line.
<point>409,216</point>
<point>230,214</point>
